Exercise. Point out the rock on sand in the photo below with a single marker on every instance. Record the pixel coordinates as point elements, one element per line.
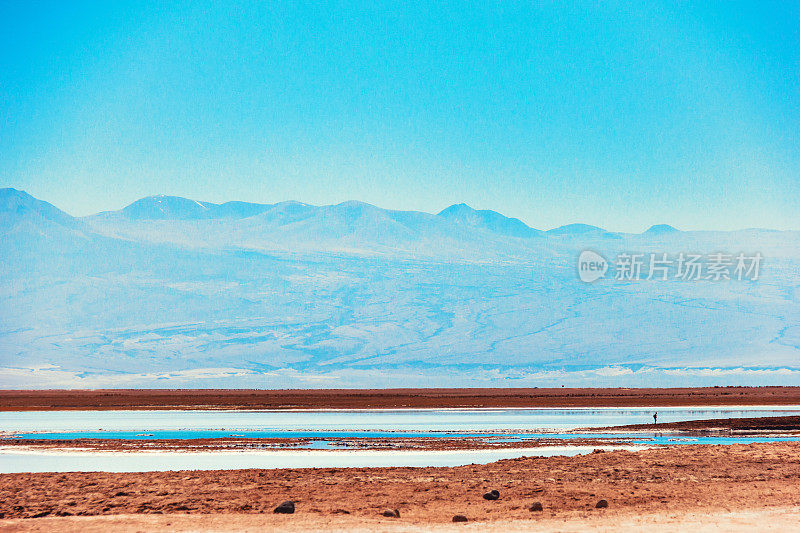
<point>285,508</point>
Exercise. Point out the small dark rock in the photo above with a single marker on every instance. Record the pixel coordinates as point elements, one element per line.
<point>40,515</point>
<point>122,493</point>
<point>285,508</point>
<point>460,518</point>
<point>598,450</point>
<point>602,504</point>
<point>340,511</point>
<point>391,513</point>
<point>492,495</point>
<point>536,507</point>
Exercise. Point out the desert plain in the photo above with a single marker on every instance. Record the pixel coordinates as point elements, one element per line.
<point>733,487</point>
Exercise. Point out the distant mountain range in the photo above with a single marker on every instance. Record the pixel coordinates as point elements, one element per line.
<point>177,208</point>
<point>174,292</point>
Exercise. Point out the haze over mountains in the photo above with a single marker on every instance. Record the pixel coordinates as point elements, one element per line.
<point>173,292</point>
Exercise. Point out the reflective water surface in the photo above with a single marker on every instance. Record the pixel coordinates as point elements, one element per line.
<point>409,420</point>
<point>324,427</point>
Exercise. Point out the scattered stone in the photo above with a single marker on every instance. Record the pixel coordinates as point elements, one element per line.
<point>598,450</point>
<point>536,507</point>
<point>340,511</point>
<point>460,518</point>
<point>122,493</point>
<point>602,504</point>
<point>391,513</point>
<point>492,495</point>
<point>285,508</point>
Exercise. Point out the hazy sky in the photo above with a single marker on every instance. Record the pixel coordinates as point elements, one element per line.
<point>681,113</point>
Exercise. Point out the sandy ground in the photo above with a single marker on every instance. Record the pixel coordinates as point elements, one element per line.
<point>772,519</point>
<point>732,484</point>
<point>42,400</point>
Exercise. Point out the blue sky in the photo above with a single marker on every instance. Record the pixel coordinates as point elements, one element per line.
<point>681,113</point>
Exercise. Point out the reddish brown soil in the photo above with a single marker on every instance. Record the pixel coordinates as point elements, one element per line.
<point>679,478</point>
<point>391,398</point>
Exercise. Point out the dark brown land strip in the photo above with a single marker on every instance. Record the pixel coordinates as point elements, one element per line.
<point>43,400</point>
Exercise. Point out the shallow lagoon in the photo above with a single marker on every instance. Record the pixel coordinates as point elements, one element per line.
<point>325,426</point>
<point>290,423</point>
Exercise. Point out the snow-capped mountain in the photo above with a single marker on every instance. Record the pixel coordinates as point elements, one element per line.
<point>171,292</point>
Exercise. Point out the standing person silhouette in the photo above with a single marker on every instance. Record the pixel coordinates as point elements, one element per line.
<point>655,418</point>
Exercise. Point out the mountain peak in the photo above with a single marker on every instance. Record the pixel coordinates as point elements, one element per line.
<point>164,207</point>
<point>583,230</point>
<point>14,201</point>
<point>455,208</point>
<point>487,220</point>
<point>354,204</point>
<point>661,229</point>
<point>16,206</point>
<point>9,194</point>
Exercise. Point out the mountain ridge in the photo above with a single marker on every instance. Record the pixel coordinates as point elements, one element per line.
<point>177,208</point>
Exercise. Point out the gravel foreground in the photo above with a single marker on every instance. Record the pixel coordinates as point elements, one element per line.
<point>724,487</point>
